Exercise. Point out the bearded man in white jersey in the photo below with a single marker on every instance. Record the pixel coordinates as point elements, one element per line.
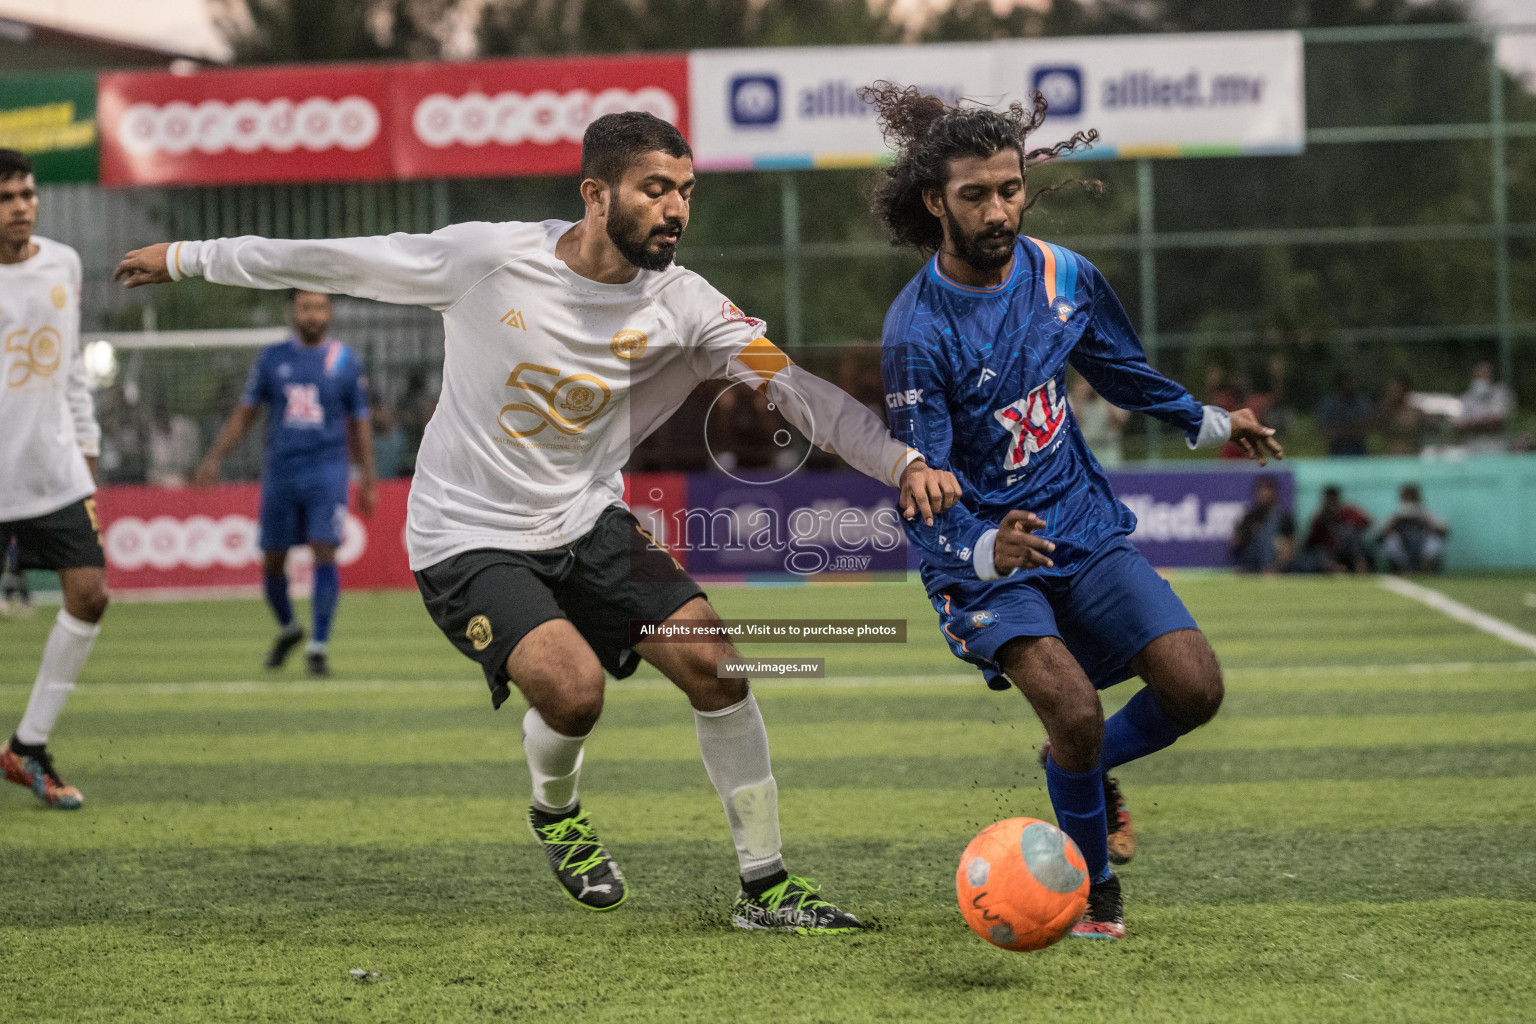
<point>565,345</point>
<point>49,441</point>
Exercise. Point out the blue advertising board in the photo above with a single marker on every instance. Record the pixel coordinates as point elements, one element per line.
<point>825,524</point>
<point>1184,519</point>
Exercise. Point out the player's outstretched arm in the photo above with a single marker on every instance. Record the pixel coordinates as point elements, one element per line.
<point>835,422</point>
<point>732,345</point>
<point>144,266</point>
<point>1111,358</point>
<point>419,270</point>
<point>1257,440</point>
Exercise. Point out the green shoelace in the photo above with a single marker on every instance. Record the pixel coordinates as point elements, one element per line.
<point>774,898</point>
<point>574,833</point>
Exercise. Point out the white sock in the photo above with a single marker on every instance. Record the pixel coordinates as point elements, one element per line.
<point>734,744</point>
<point>69,644</point>
<point>554,760</point>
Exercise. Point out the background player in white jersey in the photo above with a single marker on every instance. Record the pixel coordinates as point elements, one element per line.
<point>48,446</point>
<point>565,345</point>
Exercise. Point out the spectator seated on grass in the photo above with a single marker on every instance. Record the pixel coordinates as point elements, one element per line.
<point>1336,540</point>
<point>1413,539</point>
<point>1265,538</point>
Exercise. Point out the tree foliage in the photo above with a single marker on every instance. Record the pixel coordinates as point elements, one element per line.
<point>306,31</point>
<point>979,19</point>
<point>1296,297</point>
<point>530,27</point>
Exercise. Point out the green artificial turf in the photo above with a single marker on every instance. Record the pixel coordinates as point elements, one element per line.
<point>1353,839</point>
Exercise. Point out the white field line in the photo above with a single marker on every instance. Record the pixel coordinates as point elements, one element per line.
<point>1460,612</point>
<point>475,686</point>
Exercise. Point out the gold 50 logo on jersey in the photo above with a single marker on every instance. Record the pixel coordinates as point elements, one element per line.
<point>37,353</point>
<point>567,402</point>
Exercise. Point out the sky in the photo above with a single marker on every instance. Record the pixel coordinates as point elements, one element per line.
<point>185,25</point>
<point>182,25</point>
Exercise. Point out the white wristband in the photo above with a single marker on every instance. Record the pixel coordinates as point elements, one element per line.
<point>183,260</point>
<point>1215,428</point>
<point>985,558</point>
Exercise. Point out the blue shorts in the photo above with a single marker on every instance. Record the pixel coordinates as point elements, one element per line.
<point>1105,613</point>
<point>310,508</point>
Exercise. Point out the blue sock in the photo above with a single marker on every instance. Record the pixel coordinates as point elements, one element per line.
<point>327,592</point>
<point>1138,729</point>
<point>1078,798</point>
<point>276,588</point>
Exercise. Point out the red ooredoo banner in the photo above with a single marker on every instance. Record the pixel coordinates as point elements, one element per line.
<point>504,117</point>
<point>159,538</point>
<point>376,122</point>
<point>214,127</point>
<point>177,538</point>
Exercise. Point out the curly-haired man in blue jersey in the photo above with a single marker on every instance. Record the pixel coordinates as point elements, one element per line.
<point>1032,573</point>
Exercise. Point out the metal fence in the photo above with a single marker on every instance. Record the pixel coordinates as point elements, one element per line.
<point>802,279</point>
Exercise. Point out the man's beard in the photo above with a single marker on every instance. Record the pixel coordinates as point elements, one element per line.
<point>626,233</point>
<point>984,251</point>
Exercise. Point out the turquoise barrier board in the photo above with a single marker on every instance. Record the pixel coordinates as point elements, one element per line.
<point>1489,501</point>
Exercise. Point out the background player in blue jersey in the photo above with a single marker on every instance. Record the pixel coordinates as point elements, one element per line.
<point>316,397</point>
<point>1031,572</point>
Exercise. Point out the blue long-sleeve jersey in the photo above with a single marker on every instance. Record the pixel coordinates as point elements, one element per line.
<point>975,379</point>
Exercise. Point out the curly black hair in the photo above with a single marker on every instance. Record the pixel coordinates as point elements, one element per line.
<point>928,133</point>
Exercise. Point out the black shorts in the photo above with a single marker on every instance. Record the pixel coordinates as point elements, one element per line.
<point>485,601</point>
<point>69,538</point>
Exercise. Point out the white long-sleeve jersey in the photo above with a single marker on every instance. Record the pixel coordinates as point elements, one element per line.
<point>47,421</point>
<point>549,378</point>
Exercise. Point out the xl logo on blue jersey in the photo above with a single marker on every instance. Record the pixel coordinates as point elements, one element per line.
<point>755,100</point>
<point>1062,87</point>
<point>302,406</point>
<point>1033,422</point>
